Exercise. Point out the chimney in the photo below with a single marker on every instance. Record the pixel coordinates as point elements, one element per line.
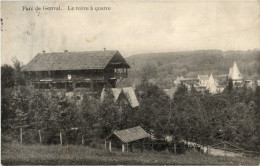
<point>43,51</point>
<point>65,50</point>
<point>104,49</point>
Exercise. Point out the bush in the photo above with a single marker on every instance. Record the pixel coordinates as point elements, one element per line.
<point>31,136</point>
<point>8,138</point>
<point>160,145</point>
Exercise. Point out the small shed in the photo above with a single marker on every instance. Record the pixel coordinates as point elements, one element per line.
<point>126,136</point>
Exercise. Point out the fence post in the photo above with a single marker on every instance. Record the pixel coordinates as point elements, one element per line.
<point>174,146</point>
<point>21,134</point>
<point>123,147</point>
<point>60,139</point>
<point>82,139</point>
<point>110,146</point>
<point>40,136</point>
<point>225,146</point>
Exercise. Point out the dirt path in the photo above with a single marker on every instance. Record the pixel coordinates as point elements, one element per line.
<point>212,151</point>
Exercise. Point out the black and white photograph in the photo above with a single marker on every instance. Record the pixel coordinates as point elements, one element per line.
<point>130,82</point>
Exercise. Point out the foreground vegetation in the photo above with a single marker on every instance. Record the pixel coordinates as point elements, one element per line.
<point>13,154</point>
<point>43,115</point>
<point>203,118</point>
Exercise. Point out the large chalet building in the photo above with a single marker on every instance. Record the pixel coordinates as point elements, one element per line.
<point>69,70</point>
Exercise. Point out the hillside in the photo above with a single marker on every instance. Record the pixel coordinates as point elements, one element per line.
<point>163,68</point>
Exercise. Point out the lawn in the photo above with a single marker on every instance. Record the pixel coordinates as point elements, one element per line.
<point>13,154</point>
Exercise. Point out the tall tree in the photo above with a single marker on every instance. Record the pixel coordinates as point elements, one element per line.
<point>19,77</point>
<point>108,114</point>
<point>7,76</point>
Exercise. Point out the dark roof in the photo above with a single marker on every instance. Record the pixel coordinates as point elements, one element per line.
<point>129,135</point>
<point>74,60</point>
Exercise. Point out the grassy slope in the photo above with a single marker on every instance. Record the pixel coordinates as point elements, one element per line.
<point>36,154</point>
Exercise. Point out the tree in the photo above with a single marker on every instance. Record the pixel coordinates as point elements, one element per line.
<point>7,76</point>
<point>230,85</point>
<point>257,116</point>
<point>153,113</point>
<point>126,112</point>
<point>19,77</point>
<point>108,115</point>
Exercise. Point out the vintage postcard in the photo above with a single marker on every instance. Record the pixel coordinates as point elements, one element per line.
<point>130,82</point>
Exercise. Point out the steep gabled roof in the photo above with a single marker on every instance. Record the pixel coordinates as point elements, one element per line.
<point>230,72</point>
<point>131,134</point>
<point>235,73</point>
<point>127,91</point>
<point>211,85</point>
<point>131,96</point>
<point>73,60</point>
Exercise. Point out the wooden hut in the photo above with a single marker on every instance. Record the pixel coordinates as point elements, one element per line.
<point>126,138</point>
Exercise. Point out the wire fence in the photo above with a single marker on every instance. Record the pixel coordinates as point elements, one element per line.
<point>229,149</point>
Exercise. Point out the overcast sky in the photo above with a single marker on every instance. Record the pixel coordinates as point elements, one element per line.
<point>130,27</point>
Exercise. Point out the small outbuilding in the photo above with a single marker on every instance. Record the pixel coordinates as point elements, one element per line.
<point>126,137</point>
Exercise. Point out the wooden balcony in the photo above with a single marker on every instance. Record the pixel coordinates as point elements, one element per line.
<point>85,78</point>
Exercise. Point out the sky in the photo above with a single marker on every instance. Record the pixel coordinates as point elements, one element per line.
<point>130,27</point>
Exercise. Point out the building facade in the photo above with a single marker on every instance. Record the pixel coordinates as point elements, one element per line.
<point>69,70</point>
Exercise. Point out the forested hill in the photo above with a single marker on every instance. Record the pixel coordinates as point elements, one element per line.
<point>163,68</point>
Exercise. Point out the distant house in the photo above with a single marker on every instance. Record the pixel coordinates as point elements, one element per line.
<point>122,94</point>
<point>252,81</point>
<point>203,80</point>
<point>200,88</point>
<point>204,83</point>
<point>70,70</point>
<point>189,81</point>
<point>170,92</point>
<point>235,75</point>
<point>212,85</point>
<point>249,83</point>
<point>222,80</point>
<point>178,80</point>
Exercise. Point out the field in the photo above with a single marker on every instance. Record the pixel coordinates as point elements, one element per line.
<point>13,154</point>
